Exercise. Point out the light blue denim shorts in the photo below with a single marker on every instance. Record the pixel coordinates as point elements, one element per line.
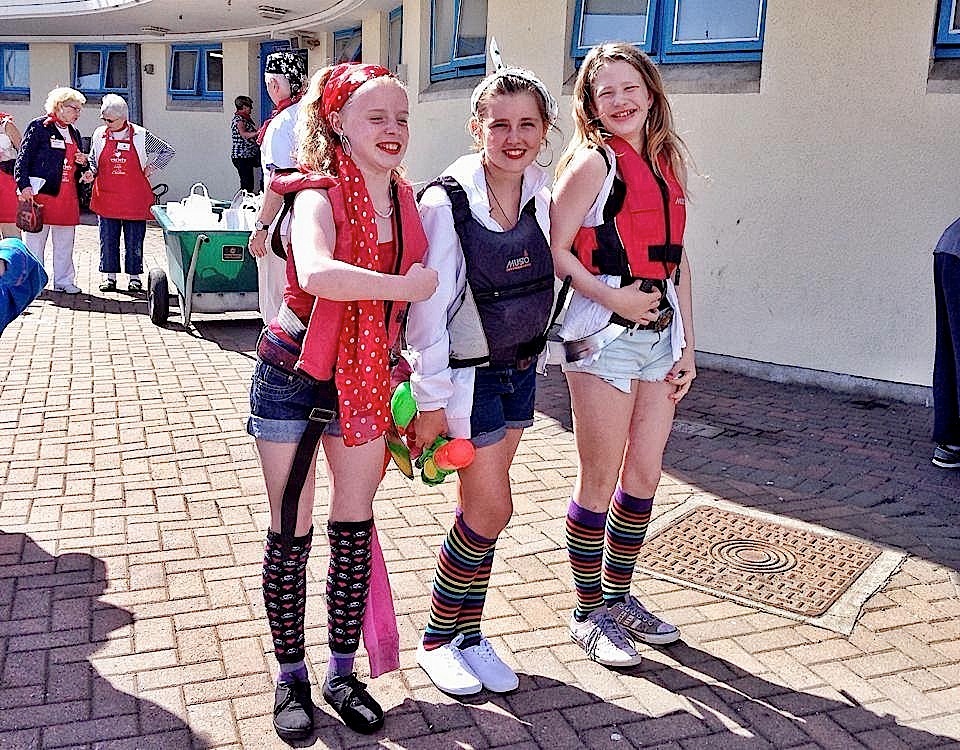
<point>280,403</point>
<point>634,355</point>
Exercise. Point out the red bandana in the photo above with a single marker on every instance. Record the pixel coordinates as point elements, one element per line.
<point>363,369</point>
<point>281,105</point>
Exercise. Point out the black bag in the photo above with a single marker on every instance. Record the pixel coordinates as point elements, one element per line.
<point>7,166</point>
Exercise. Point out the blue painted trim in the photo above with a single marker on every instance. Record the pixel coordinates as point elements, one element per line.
<point>669,47</point>
<point>18,47</point>
<point>199,91</point>
<point>104,50</point>
<point>455,67</point>
<point>947,44</point>
<point>578,51</point>
<point>344,34</point>
<point>393,16</point>
<point>662,49</point>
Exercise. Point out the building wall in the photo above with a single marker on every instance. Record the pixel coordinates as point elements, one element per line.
<point>816,198</point>
<point>816,201</point>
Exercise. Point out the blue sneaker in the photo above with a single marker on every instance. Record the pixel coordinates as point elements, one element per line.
<point>946,456</point>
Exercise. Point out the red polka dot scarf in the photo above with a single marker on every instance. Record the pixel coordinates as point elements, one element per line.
<point>362,373</point>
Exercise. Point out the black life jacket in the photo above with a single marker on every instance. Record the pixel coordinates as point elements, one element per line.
<point>511,279</point>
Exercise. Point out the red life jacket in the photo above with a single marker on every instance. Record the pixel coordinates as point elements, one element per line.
<point>324,317</point>
<point>643,221</point>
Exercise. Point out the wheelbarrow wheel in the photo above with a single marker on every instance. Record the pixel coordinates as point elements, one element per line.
<point>158,297</point>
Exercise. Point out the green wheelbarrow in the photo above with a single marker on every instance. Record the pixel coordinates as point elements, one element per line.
<point>211,271</point>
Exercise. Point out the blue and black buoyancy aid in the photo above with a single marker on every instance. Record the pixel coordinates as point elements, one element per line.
<point>510,275</point>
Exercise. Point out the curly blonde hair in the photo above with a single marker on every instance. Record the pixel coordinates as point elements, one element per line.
<point>661,138</point>
<point>62,95</point>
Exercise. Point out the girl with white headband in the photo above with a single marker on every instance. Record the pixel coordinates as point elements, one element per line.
<point>475,342</point>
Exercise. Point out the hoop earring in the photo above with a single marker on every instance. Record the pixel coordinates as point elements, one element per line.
<point>345,144</point>
<point>549,161</point>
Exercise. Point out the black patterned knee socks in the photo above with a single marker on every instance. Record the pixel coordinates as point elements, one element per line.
<point>285,592</point>
<point>348,581</point>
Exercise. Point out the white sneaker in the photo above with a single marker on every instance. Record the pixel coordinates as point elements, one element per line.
<point>484,662</point>
<point>603,640</point>
<point>640,623</point>
<point>448,669</point>
<point>67,289</point>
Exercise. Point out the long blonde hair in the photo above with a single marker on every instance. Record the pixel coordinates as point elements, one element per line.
<point>661,138</point>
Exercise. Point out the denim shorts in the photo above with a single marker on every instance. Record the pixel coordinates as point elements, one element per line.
<point>502,397</point>
<point>280,404</point>
<point>634,355</point>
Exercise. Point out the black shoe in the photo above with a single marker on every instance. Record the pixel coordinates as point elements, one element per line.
<point>293,710</point>
<point>350,699</point>
<point>108,285</point>
<point>135,285</point>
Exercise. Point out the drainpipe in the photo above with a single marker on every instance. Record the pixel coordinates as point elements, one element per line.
<point>134,84</point>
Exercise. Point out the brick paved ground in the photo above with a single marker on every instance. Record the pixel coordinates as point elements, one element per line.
<point>131,528</point>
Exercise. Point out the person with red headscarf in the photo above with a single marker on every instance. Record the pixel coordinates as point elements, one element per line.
<point>323,368</point>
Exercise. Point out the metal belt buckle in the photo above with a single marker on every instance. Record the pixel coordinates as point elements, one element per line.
<point>320,414</point>
<point>663,322</point>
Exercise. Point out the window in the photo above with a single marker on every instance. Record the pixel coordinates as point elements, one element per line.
<point>948,30</point>
<point>458,38</point>
<point>196,72</point>
<point>347,46</point>
<point>98,69</point>
<point>674,31</point>
<point>395,39</point>
<point>15,72</point>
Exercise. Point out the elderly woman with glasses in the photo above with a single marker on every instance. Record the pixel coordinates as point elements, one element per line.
<point>123,156</point>
<point>47,170</point>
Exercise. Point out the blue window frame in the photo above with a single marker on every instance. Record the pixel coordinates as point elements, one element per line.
<point>347,45</point>
<point>673,31</point>
<point>196,72</point>
<point>14,69</point>
<point>948,30</point>
<point>458,38</point>
<point>100,68</point>
<point>395,39</point>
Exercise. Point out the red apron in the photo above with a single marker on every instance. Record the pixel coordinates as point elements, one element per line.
<point>8,198</point>
<point>63,209</point>
<point>120,190</point>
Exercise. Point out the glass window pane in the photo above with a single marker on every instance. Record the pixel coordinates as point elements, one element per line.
<point>442,31</point>
<point>472,29</point>
<point>712,21</point>
<point>614,20</point>
<point>16,68</point>
<point>394,41</point>
<point>116,70</point>
<point>214,70</point>
<point>184,71</point>
<point>88,69</point>
<point>347,47</point>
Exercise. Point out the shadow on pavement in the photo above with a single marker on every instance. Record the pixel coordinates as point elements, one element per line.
<point>51,622</point>
<point>852,463</point>
<point>728,708</point>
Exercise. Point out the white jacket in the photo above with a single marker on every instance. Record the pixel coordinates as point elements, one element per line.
<point>435,384</point>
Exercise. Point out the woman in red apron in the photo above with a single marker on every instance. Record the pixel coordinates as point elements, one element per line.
<point>9,143</point>
<point>121,191</point>
<point>47,169</point>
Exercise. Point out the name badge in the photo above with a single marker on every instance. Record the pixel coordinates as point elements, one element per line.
<point>57,143</point>
<point>123,147</point>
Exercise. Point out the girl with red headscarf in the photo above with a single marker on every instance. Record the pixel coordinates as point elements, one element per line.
<point>324,366</point>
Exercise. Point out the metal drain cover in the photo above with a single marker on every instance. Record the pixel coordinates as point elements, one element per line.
<point>792,569</point>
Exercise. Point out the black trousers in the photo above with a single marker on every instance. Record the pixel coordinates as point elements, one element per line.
<point>245,167</point>
<point>946,363</point>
